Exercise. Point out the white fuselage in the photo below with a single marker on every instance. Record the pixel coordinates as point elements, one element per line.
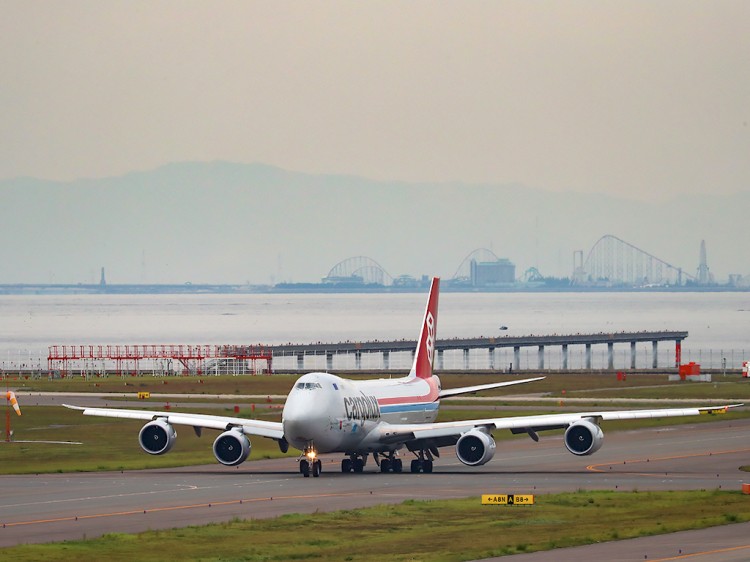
<point>332,414</point>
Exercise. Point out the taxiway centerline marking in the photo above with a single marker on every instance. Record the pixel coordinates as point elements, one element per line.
<point>593,467</point>
<point>703,553</point>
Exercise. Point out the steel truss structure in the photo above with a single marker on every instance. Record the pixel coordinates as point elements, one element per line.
<point>195,359</point>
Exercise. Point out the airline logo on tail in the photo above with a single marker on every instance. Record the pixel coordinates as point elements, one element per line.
<point>423,361</point>
<point>430,343</point>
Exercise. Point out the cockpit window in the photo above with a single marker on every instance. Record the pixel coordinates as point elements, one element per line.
<point>308,385</point>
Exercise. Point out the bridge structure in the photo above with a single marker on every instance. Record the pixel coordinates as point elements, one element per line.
<point>491,344</point>
<point>252,359</point>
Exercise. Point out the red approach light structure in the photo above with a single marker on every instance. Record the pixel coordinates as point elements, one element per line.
<point>193,358</point>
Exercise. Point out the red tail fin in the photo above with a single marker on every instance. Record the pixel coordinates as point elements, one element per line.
<point>423,359</point>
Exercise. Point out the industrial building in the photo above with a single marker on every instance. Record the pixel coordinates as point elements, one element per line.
<point>487,273</point>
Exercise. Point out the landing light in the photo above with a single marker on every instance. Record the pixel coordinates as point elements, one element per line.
<point>311,455</point>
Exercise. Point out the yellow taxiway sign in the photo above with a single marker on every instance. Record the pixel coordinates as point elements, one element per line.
<point>507,499</point>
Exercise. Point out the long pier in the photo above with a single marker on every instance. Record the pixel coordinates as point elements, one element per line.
<point>467,344</point>
<point>240,359</point>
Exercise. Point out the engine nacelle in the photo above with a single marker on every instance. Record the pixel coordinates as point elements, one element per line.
<point>583,438</point>
<point>232,447</point>
<point>475,448</point>
<point>157,437</point>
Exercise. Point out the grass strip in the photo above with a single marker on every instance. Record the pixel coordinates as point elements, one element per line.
<point>282,383</point>
<point>435,531</point>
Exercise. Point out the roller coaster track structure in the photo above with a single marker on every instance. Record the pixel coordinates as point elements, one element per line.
<point>480,255</point>
<point>613,261</point>
<point>359,267</point>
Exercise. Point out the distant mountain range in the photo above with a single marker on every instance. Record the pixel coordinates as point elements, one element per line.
<point>224,222</point>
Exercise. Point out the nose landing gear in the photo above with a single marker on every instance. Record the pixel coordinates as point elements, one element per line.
<point>310,462</point>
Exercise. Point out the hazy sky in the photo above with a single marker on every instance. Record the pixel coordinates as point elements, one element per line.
<point>640,98</point>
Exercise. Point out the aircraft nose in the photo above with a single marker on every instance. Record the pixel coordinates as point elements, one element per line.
<point>296,429</point>
<point>299,420</point>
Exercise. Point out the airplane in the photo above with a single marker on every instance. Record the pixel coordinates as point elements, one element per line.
<point>325,413</point>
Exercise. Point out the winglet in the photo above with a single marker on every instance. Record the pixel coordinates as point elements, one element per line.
<point>719,409</point>
<point>425,353</point>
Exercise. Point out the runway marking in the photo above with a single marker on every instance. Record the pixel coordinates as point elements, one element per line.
<point>593,467</point>
<point>183,488</point>
<point>176,489</point>
<point>176,508</point>
<point>46,442</point>
<point>704,553</point>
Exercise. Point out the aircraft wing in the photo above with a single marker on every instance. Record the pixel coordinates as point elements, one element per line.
<point>273,430</point>
<point>402,433</point>
<point>468,389</point>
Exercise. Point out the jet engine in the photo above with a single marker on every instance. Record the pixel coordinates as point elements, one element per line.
<point>157,437</point>
<point>583,437</point>
<point>475,448</point>
<point>232,447</point>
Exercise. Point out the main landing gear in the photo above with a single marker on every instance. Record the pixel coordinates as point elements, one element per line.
<point>354,463</point>
<point>391,464</point>
<point>310,463</point>
<point>423,462</point>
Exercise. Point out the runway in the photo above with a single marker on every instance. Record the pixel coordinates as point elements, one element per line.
<point>55,507</point>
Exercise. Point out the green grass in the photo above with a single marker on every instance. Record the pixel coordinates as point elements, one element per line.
<point>282,383</point>
<point>720,389</point>
<point>436,531</point>
<point>593,385</point>
<point>245,384</point>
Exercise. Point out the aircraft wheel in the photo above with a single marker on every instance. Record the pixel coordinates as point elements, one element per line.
<point>359,465</point>
<point>346,465</point>
<point>416,466</point>
<point>317,468</point>
<point>304,468</point>
<point>427,466</point>
<point>385,465</point>
<point>398,465</point>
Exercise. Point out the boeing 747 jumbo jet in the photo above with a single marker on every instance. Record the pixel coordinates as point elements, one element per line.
<point>325,413</point>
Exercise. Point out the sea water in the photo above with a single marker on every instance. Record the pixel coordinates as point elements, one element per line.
<point>718,323</point>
